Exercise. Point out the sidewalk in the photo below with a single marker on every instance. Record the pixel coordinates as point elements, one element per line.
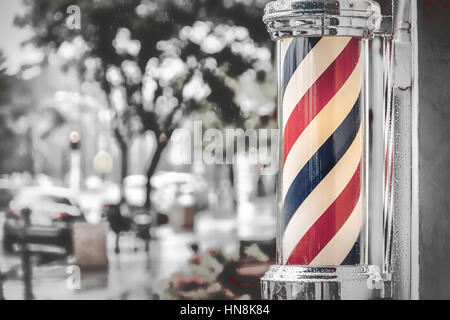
<point>130,275</point>
<point>138,275</point>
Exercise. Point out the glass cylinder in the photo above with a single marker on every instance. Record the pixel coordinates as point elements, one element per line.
<point>322,182</point>
<point>327,92</point>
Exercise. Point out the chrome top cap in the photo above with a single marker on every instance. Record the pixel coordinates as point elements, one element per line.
<point>318,18</point>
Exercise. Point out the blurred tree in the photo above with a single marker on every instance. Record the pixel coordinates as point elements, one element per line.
<point>157,61</point>
<point>6,142</point>
<point>3,81</point>
<point>15,142</point>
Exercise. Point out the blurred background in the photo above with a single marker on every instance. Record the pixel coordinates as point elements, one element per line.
<point>98,198</point>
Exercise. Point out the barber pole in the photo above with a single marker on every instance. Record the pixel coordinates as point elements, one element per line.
<point>326,88</point>
<point>322,212</point>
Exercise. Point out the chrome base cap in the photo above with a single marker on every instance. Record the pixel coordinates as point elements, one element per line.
<point>287,282</point>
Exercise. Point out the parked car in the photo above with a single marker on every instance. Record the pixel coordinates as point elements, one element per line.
<point>53,211</point>
<point>169,185</point>
<point>134,191</point>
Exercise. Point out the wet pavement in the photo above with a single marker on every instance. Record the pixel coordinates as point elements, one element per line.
<point>129,275</point>
<point>132,274</point>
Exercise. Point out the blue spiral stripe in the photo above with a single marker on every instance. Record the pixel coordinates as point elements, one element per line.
<point>321,163</point>
<point>298,50</point>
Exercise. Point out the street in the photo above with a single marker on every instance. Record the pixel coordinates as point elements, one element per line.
<point>130,275</point>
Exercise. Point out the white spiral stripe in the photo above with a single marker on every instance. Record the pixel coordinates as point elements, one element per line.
<point>322,127</point>
<point>326,192</point>
<point>340,245</point>
<point>312,66</point>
